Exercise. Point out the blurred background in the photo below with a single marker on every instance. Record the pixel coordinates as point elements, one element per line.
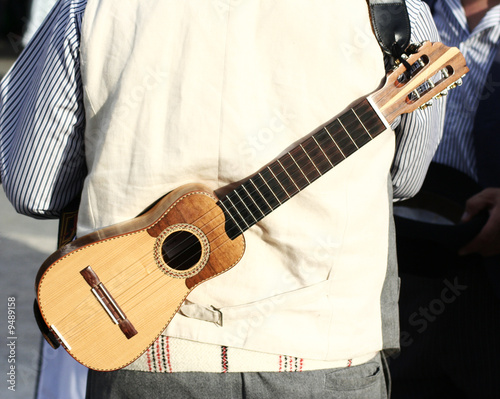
<point>14,17</point>
<point>24,243</point>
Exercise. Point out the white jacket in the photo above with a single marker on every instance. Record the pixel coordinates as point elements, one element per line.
<point>210,92</point>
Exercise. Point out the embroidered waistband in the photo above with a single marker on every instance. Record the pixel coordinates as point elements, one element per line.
<point>170,355</point>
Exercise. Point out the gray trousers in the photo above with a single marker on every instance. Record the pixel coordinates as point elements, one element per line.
<point>366,381</point>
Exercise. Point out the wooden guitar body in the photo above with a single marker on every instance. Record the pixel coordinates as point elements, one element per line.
<point>108,295</point>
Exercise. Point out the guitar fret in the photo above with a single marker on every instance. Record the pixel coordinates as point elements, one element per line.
<point>246,207</point>
<point>344,140</point>
<point>275,185</point>
<point>270,189</point>
<point>261,195</point>
<point>288,175</point>
<point>284,178</point>
<point>308,157</point>
<point>251,198</point>
<point>346,131</point>
<point>362,124</point>
<point>316,154</point>
<point>294,173</point>
<point>229,229</point>
<point>237,211</point>
<point>369,119</point>
<point>279,182</point>
<point>322,151</point>
<point>301,171</point>
<point>307,168</point>
<point>329,147</point>
<point>357,129</point>
<point>334,142</point>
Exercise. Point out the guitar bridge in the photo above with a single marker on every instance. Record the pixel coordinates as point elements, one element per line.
<point>108,303</point>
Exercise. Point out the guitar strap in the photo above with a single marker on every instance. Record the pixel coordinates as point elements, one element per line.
<point>391,25</point>
<point>67,223</point>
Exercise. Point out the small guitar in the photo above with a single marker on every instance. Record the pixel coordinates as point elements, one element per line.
<point>107,296</point>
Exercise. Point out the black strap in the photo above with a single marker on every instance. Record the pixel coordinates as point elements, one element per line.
<point>67,222</point>
<point>391,25</point>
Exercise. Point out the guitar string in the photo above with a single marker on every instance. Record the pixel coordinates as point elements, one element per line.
<point>219,214</point>
<point>69,333</point>
<point>301,157</point>
<point>215,207</point>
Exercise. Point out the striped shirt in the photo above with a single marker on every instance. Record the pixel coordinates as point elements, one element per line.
<point>42,163</point>
<point>479,48</point>
<point>42,122</point>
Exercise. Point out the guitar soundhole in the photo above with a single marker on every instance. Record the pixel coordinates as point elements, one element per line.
<point>181,250</point>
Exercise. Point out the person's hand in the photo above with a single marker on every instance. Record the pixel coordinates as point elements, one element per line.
<point>487,242</point>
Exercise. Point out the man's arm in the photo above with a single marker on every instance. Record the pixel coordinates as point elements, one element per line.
<point>42,163</point>
<point>419,133</point>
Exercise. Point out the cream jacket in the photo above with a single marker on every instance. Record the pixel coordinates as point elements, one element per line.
<point>210,92</point>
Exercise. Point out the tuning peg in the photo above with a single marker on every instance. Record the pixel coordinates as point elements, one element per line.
<point>456,84</point>
<point>445,73</point>
<point>427,104</point>
<point>397,62</point>
<point>443,93</point>
<point>414,47</point>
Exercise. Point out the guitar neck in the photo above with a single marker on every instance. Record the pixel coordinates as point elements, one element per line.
<point>279,181</point>
<point>434,69</point>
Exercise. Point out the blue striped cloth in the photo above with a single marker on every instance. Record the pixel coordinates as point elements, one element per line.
<point>42,120</point>
<point>479,48</point>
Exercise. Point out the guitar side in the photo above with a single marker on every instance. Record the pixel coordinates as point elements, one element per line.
<point>108,295</point>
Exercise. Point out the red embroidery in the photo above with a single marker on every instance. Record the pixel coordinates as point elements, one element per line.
<point>167,341</point>
<point>158,354</point>
<point>148,355</point>
<point>224,359</point>
<point>349,363</point>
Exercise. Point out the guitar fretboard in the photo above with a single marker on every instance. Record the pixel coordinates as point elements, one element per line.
<point>265,191</point>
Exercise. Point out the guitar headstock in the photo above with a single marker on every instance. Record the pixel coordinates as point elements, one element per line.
<point>435,68</point>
